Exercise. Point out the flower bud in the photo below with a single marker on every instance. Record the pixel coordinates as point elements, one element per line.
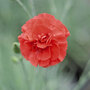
<point>15,59</point>
<point>16,47</point>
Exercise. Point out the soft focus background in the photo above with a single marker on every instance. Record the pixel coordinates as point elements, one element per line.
<point>73,73</point>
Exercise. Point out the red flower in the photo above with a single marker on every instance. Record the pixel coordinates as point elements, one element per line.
<point>43,40</point>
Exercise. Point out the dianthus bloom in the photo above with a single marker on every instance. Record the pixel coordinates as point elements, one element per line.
<point>43,40</point>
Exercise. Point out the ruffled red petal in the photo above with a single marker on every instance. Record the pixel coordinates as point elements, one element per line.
<point>44,54</point>
<point>62,49</point>
<point>33,58</point>
<point>54,52</point>
<point>39,30</point>
<point>44,63</point>
<point>25,48</point>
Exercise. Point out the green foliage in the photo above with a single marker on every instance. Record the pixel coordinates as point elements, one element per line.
<point>75,14</point>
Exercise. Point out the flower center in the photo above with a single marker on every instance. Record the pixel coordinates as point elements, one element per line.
<point>43,38</point>
<point>43,41</point>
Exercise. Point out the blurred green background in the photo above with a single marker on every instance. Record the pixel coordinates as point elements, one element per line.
<point>73,73</point>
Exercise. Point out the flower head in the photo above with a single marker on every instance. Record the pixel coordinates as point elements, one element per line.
<point>43,40</point>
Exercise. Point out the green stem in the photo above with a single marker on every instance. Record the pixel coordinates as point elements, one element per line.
<point>25,74</point>
<point>66,9</point>
<point>33,8</point>
<point>24,8</point>
<point>53,7</point>
<point>33,13</point>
